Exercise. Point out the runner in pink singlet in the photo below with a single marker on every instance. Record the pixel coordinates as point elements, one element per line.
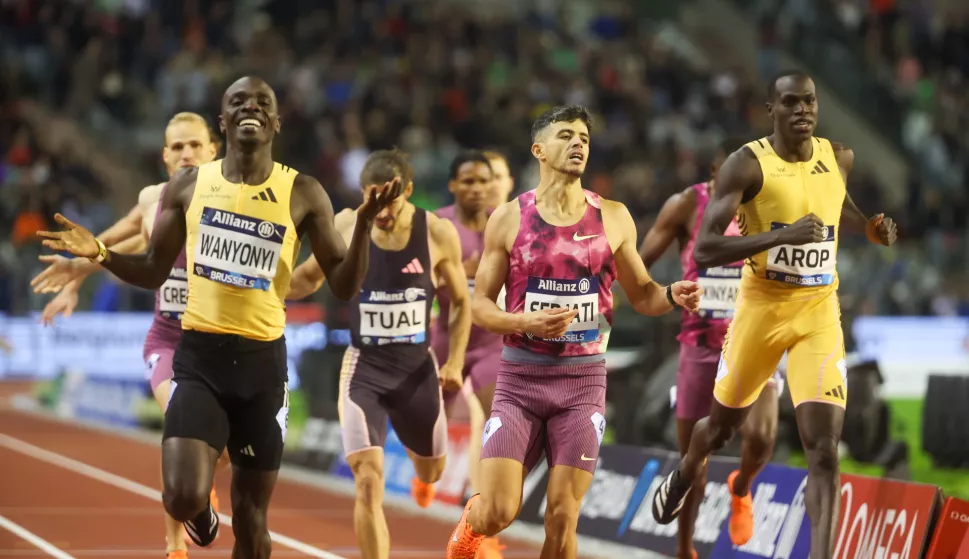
<point>557,250</point>
<point>701,339</point>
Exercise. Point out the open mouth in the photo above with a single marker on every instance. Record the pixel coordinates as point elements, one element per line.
<point>249,124</point>
<point>802,125</point>
<point>576,157</point>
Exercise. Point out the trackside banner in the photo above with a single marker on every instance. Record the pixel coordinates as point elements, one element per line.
<point>880,518</point>
<point>951,539</point>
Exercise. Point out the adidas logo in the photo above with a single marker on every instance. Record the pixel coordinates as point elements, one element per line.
<point>414,267</point>
<point>247,451</point>
<point>836,392</point>
<point>266,196</point>
<point>820,168</point>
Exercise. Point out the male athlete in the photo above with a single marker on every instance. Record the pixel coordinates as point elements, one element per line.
<point>557,249</point>
<point>188,143</point>
<point>790,191</point>
<point>389,371</point>
<point>239,220</point>
<point>701,339</point>
<point>473,185</point>
<point>503,183</point>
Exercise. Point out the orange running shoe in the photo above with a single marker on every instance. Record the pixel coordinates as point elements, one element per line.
<point>741,526</point>
<point>215,499</point>
<point>177,554</point>
<point>490,549</point>
<point>464,543</point>
<point>423,493</point>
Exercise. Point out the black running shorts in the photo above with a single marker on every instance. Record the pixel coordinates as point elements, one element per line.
<point>230,392</point>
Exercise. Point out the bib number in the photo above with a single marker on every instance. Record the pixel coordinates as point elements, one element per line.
<point>173,295</point>
<point>393,317</point>
<point>581,295</point>
<point>720,287</point>
<point>237,250</point>
<point>809,265</point>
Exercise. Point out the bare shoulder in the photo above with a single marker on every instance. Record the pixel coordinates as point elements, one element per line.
<point>503,224</point>
<point>306,185</point>
<point>844,155</point>
<point>442,230</point>
<point>739,172</point>
<point>613,210</point>
<point>149,195</point>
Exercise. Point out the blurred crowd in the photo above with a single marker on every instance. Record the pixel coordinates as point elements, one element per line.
<point>430,77</point>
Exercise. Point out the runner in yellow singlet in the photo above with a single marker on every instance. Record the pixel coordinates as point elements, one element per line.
<point>789,188</point>
<point>240,220</point>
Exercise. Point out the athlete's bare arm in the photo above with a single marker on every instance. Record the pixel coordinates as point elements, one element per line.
<point>500,232</point>
<point>125,228</point>
<point>645,295</point>
<point>879,229</point>
<point>308,277</point>
<point>344,266</point>
<point>739,180</point>
<point>445,238</point>
<point>671,224</point>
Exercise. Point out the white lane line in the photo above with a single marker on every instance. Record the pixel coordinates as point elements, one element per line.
<point>103,476</point>
<point>39,543</point>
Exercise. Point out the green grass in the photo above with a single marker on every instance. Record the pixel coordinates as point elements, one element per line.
<point>907,426</point>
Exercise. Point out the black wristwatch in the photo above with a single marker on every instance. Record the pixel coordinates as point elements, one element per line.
<point>669,296</point>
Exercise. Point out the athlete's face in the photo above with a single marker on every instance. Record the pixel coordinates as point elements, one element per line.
<point>564,146</point>
<point>187,144</point>
<point>472,186</point>
<point>502,184</point>
<point>386,220</point>
<point>249,113</point>
<point>794,107</point>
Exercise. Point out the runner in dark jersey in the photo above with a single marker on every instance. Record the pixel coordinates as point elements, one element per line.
<point>189,142</point>
<point>557,249</point>
<point>389,371</point>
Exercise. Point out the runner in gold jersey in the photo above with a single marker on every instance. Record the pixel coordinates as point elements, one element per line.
<point>789,189</point>
<point>240,220</point>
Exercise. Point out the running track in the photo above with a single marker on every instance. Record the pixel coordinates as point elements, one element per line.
<point>68,491</point>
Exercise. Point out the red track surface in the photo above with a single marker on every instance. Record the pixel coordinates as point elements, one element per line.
<point>85,517</point>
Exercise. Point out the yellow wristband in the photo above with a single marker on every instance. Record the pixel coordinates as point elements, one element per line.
<point>102,252</point>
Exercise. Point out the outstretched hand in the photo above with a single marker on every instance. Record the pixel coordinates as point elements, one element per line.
<point>379,198</point>
<point>881,230</point>
<point>73,239</point>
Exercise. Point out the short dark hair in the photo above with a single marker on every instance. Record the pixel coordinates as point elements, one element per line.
<point>383,165</point>
<point>566,113</point>
<point>731,144</point>
<point>467,156</point>
<point>772,85</point>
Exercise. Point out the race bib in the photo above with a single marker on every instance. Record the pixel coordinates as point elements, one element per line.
<point>581,295</point>
<point>393,317</point>
<point>807,265</point>
<point>720,286</point>
<point>501,298</point>
<point>173,295</point>
<point>238,250</point>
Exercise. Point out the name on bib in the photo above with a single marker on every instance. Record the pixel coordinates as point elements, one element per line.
<point>238,250</point>
<point>393,317</point>
<point>173,294</point>
<point>720,287</point>
<point>808,265</point>
<point>581,295</point>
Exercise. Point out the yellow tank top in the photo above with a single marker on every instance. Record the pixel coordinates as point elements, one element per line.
<point>240,247</point>
<point>789,192</point>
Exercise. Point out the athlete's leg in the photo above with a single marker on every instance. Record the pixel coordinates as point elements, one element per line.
<point>694,393</point>
<point>758,432</point>
<point>481,380</point>
<point>817,379</point>
<point>363,423</point>
<point>251,493</point>
<point>566,488</point>
<point>174,532</point>
<point>751,352</point>
<point>476,422</point>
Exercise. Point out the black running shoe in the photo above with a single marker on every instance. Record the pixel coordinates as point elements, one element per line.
<point>669,498</point>
<point>204,528</point>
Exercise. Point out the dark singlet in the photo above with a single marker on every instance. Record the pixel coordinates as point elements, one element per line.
<point>390,317</point>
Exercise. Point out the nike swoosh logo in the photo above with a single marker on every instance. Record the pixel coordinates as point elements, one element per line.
<point>586,458</point>
<point>577,237</point>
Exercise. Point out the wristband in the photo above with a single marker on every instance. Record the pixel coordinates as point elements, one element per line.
<point>102,252</point>
<point>669,296</point>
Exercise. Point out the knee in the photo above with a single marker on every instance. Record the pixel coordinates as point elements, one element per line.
<point>369,481</point>
<point>184,501</point>
<point>760,434</point>
<point>822,453</point>
<point>718,434</point>
<point>497,514</point>
<point>561,519</point>
<point>429,471</point>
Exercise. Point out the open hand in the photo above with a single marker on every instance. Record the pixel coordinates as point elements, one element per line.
<point>379,198</point>
<point>450,376</point>
<point>73,239</point>
<point>881,230</point>
<point>687,295</point>
<point>64,303</point>
<point>56,275</point>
